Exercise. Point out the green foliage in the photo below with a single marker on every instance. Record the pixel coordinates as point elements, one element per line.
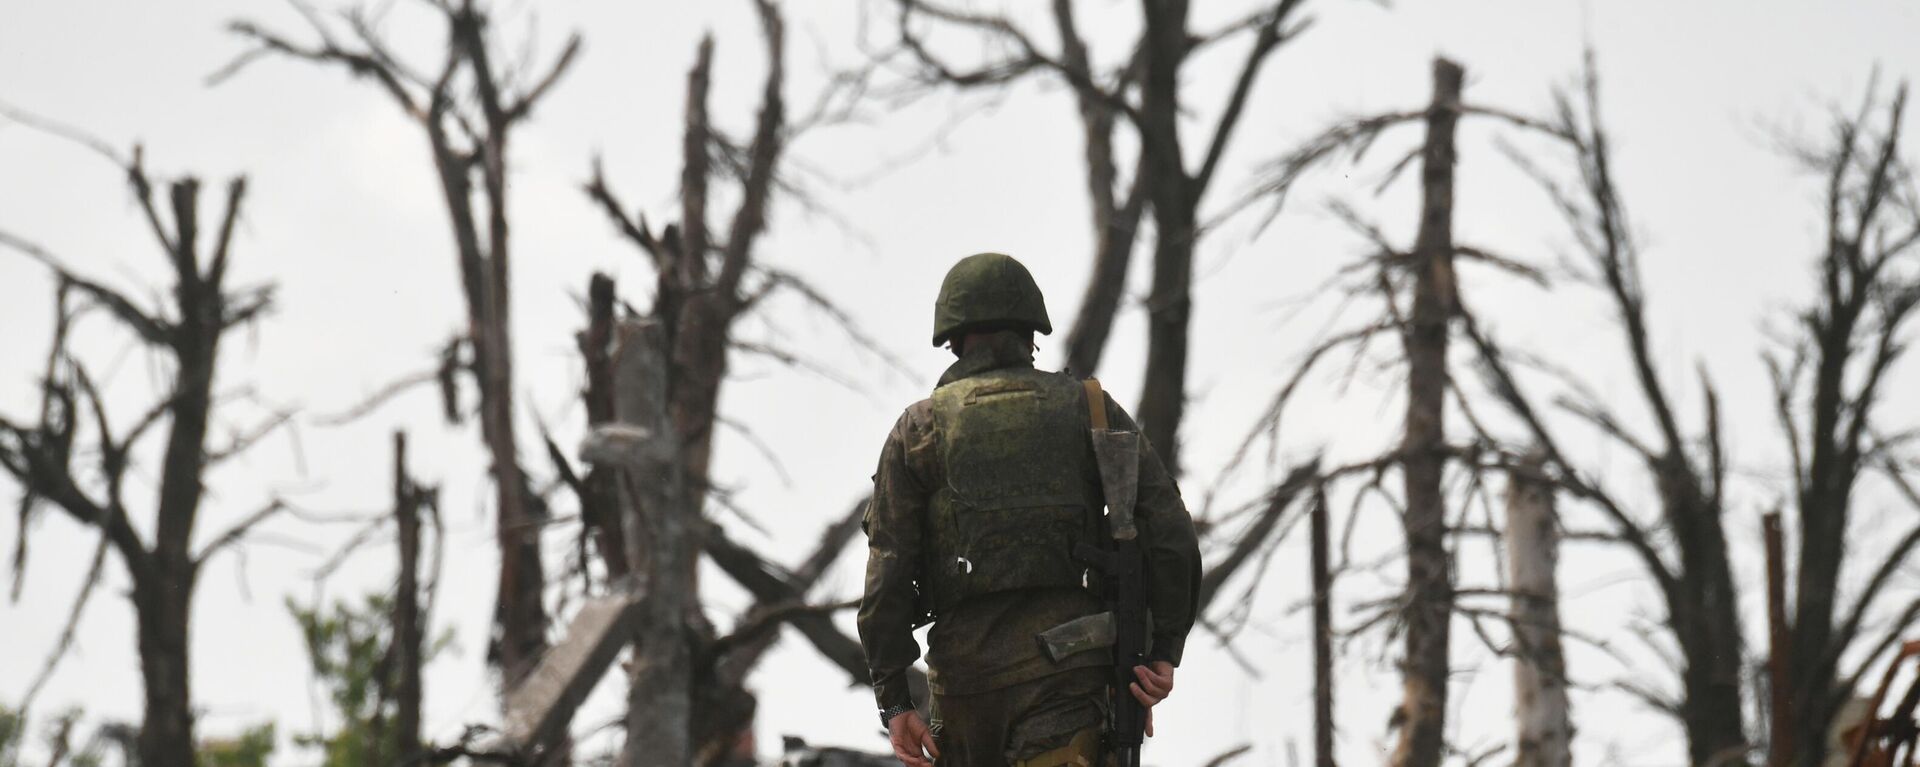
<point>12,728</point>
<point>61,737</point>
<point>349,649</point>
<point>251,749</point>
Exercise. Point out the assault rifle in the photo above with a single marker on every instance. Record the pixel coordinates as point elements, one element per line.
<point>1121,570</point>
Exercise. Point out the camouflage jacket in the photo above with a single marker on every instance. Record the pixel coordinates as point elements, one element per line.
<point>987,642</point>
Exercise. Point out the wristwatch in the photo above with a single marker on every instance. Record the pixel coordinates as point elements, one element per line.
<point>887,714</point>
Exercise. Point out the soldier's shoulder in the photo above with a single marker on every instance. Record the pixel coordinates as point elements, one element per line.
<point>918,409</point>
<point>917,417</point>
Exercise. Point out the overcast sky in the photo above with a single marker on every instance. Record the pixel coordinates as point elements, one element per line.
<point>344,216</point>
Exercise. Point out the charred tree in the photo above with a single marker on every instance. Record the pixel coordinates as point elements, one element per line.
<point>1322,579</point>
<point>76,457</point>
<point>409,618</point>
<point>1116,213</point>
<point>469,142</point>
<point>1429,599</point>
<point>1421,306</point>
<point>1684,551</point>
<point>1831,384</point>
<point>1780,723</point>
<point>598,491</point>
<point>704,284</point>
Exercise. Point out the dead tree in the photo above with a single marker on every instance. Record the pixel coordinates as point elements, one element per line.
<point>77,458</point>
<point>1780,723</point>
<point>1545,727</point>
<point>1420,297</point>
<point>1831,386</point>
<point>655,488</point>
<point>1322,580</point>
<point>1143,92</point>
<point>409,616</point>
<point>469,140</point>
<point>1429,600</point>
<point>681,349</point>
<point>597,491</point>
<point>1684,551</point>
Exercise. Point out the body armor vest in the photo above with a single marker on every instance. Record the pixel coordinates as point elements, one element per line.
<point>1021,486</point>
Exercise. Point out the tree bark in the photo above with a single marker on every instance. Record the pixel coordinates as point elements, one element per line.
<point>485,268</point>
<point>162,600</point>
<point>660,534</point>
<point>1851,336</point>
<point>163,586</point>
<point>1706,623</point>
<point>522,614</point>
<point>1116,222</point>
<point>406,608</point>
<point>1701,603</point>
<point>599,501</point>
<point>1163,398</point>
<point>1429,599</point>
<point>1544,724</point>
<point>1322,634</point>
<point>1780,726</point>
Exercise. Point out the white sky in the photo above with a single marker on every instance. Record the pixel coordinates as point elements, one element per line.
<point>344,216</point>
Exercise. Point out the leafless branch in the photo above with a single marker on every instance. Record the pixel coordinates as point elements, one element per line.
<point>381,397</point>
<point>239,530</point>
<point>64,644</point>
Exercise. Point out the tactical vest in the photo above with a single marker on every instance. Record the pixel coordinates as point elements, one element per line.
<point>1021,485</point>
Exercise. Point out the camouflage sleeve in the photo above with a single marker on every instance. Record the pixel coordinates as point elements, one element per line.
<point>893,521</point>
<point>1171,547</point>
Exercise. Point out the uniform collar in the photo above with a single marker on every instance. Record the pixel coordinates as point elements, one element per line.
<point>1004,349</point>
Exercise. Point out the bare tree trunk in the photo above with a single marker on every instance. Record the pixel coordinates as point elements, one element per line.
<point>1545,725</point>
<point>1850,338</point>
<point>522,615</point>
<point>1163,398</point>
<point>673,393</point>
<point>1781,726</point>
<point>468,114</point>
<point>599,493</point>
<point>1115,222</point>
<point>1322,634</point>
<point>659,704</point>
<point>1706,622</point>
<point>1429,600</point>
<point>406,608</point>
<point>162,600</point>
<point>1695,582</point>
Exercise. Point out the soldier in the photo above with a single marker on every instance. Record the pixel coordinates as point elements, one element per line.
<point>982,493</point>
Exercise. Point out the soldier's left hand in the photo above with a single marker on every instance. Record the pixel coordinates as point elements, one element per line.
<point>1156,683</point>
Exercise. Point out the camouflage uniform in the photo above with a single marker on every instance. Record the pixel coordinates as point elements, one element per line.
<point>997,697</point>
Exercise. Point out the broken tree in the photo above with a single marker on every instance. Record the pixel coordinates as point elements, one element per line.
<point>1832,388</point>
<point>469,141</point>
<point>1544,729</point>
<point>1420,297</point>
<point>77,457</point>
<point>662,376</point>
<point>1684,550</point>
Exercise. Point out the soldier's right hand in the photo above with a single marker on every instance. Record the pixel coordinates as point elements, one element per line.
<point>912,741</point>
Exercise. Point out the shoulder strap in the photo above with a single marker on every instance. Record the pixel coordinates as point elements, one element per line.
<point>1096,404</point>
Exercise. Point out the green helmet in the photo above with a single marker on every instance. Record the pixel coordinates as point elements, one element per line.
<point>988,291</point>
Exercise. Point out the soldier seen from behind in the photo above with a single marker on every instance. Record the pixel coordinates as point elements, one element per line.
<point>1020,513</point>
